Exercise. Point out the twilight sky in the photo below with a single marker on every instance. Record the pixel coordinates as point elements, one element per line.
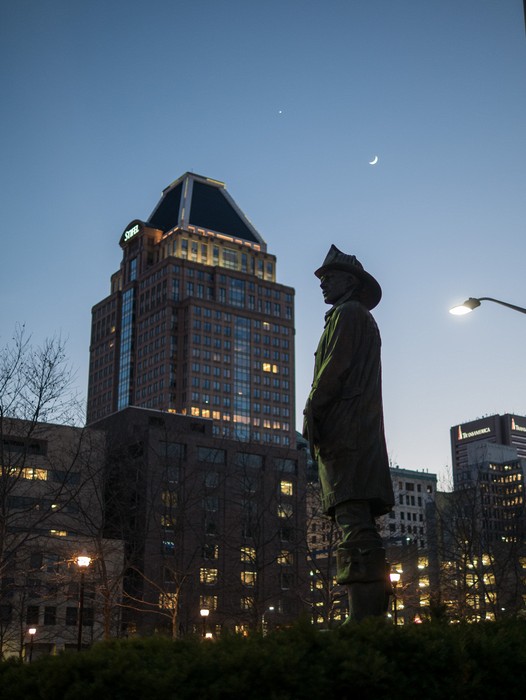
<point>106,103</point>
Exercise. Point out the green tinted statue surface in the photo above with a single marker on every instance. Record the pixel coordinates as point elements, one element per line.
<point>344,426</point>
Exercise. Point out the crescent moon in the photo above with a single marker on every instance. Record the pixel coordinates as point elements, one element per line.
<point>374,161</point>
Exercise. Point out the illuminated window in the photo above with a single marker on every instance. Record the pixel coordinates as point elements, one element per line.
<point>168,601</point>
<point>285,558</point>
<point>247,603</point>
<point>286,488</point>
<point>208,576</point>
<point>58,533</point>
<point>248,554</point>
<point>211,551</point>
<point>34,473</point>
<point>284,510</point>
<point>208,601</point>
<point>248,578</point>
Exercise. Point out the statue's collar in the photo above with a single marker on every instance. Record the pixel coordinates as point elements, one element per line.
<point>341,300</point>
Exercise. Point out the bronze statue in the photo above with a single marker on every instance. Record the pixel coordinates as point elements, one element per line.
<point>344,426</point>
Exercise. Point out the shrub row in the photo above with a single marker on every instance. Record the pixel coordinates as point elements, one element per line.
<point>369,660</point>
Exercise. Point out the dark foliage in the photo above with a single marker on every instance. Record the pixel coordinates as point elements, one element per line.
<point>370,660</point>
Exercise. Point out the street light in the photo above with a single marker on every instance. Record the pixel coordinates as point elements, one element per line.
<point>82,561</point>
<point>472,303</point>
<point>395,579</point>
<point>263,622</point>
<point>31,632</point>
<point>204,612</point>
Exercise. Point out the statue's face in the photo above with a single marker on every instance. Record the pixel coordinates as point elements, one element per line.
<point>335,283</point>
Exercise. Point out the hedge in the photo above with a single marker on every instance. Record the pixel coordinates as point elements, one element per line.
<point>368,660</point>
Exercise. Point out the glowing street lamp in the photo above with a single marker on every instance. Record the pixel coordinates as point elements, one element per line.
<point>263,621</point>
<point>472,303</point>
<point>204,612</point>
<point>395,577</point>
<point>82,561</point>
<point>31,632</point>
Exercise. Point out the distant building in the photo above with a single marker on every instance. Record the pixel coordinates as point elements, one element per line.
<point>209,523</point>
<point>406,523</point>
<point>405,531</point>
<point>509,430</point>
<point>489,462</point>
<point>50,499</point>
<point>196,322</point>
<point>480,527</point>
<point>406,538</point>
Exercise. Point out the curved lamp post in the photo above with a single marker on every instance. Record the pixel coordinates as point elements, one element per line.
<point>395,577</point>
<point>31,632</point>
<point>472,303</point>
<point>204,612</point>
<point>82,561</point>
<point>263,620</point>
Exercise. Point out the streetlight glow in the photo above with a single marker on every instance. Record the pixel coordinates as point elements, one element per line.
<point>204,612</point>
<point>394,577</point>
<point>31,632</point>
<point>472,303</point>
<point>465,308</point>
<point>83,561</point>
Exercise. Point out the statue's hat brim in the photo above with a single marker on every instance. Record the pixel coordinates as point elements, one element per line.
<point>370,293</point>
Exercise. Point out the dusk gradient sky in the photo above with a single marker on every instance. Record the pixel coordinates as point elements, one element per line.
<point>106,103</point>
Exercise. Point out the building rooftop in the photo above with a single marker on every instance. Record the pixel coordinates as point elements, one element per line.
<point>194,200</point>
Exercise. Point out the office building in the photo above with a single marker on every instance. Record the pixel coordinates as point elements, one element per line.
<point>489,458</point>
<point>50,498</point>
<point>507,430</point>
<point>480,526</point>
<point>210,524</point>
<point>195,322</point>
<point>414,493</point>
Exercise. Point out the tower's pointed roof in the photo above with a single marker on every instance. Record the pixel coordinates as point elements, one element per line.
<point>194,200</point>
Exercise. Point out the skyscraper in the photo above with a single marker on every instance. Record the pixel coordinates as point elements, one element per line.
<point>489,458</point>
<point>509,430</point>
<point>195,322</point>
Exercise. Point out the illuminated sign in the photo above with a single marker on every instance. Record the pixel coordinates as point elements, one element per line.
<point>131,232</point>
<point>517,427</point>
<point>473,433</point>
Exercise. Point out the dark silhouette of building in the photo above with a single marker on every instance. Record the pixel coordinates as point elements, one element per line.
<point>210,524</point>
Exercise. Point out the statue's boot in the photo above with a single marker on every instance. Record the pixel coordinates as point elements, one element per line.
<point>365,573</point>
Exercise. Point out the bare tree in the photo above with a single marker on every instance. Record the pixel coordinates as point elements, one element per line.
<point>481,548</point>
<point>327,599</point>
<point>36,383</point>
<point>42,463</point>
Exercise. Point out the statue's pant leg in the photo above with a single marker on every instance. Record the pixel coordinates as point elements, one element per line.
<point>361,563</point>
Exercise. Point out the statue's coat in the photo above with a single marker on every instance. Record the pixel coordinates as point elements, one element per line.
<point>344,413</point>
